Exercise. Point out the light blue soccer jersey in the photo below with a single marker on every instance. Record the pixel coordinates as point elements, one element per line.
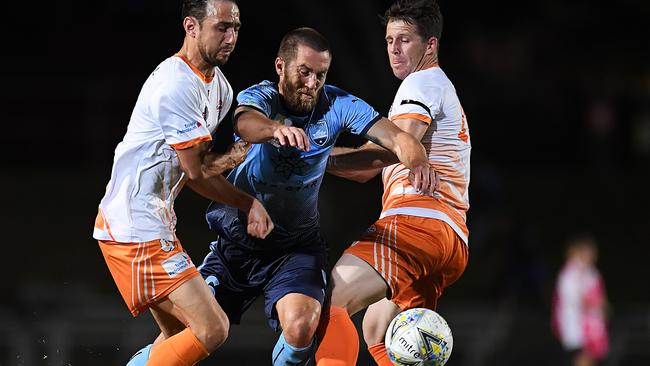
<point>285,179</point>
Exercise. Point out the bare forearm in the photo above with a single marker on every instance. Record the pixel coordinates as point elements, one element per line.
<point>254,128</point>
<point>215,164</point>
<point>367,157</point>
<point>218,189</point>
<point>359,165</point>
<point>409,150</point>
<point>400,141</point>
<point>360,176</point>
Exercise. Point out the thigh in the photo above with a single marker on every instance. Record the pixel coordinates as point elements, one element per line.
<point>376,320</point>
<point>302,273</point>
<point>227,271</point>
<point>168,323</point>
<point>417,257</point>
<point>147,272</point>
<point>192,304</point>
<point>355,284</point>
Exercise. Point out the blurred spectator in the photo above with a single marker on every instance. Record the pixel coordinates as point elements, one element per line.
<point>579,305</point>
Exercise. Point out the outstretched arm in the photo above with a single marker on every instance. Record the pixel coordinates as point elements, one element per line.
<point>200,163</point>
<point>218,189</point>
<point>234,155</point>
<point>400,141</point>
<point>403,142</point>
<point>360,164</point>
<point>204,169</point>
<point>253,126</point>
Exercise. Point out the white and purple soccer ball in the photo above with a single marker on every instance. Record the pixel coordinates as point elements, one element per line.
<point>419,337</point>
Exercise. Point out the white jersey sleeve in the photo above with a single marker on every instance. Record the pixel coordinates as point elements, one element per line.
<point>176,106</point>
<point>418,100</point>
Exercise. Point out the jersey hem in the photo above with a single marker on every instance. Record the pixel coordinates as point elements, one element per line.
<point>428,213</point>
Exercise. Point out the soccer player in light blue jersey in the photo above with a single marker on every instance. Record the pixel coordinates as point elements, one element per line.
<point>293,125</point>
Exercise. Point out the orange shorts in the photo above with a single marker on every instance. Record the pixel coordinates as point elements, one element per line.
<point>146,273</point>
<point>417,257</point>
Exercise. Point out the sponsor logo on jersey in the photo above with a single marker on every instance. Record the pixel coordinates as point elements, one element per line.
<point>289,162</point>
<point>295,187</point>
<point>189,127</point>
<point>177,263</point>
<point>319,133</point>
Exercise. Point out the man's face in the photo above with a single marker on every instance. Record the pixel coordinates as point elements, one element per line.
<point>218,32</point>
<point>405,48</point>
<point>302,78</point>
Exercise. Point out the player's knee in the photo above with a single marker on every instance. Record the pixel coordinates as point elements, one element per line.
<point>300,328</point>
<point>299,334</point>
<point>213,333</point>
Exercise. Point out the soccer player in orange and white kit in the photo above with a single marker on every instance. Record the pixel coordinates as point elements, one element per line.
<point>166,147</point>
<point>419,244</point>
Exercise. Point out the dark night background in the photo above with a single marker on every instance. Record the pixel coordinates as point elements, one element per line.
<point>557,95</point>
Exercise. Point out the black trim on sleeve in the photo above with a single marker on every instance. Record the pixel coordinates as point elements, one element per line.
<point>370,124</point>
<point>411,101</point>
<point>236,114</point>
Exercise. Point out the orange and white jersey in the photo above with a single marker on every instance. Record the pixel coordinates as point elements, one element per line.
<point>178,107</point>
<point>429,96</point>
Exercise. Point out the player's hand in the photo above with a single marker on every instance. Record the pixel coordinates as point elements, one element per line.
<point>259,221</point>
<point>237,152</point>
<point>292,136</point>
<point>424,179</point>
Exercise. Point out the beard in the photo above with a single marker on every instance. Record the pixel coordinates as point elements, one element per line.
<point>295,98</point>
<point>215,59</point>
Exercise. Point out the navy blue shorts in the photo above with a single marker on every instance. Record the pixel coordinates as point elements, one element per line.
<point>239,268</point>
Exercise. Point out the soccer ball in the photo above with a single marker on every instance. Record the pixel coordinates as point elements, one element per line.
<point>419,337</point>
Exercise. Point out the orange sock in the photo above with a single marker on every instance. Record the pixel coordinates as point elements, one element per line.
<point>182,349</point>
<point>378,352</point>
<point>339,341</point>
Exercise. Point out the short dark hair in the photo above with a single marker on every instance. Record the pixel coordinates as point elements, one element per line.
<point>424,14</point>
<point>301,36</point>
<point>197,8</point>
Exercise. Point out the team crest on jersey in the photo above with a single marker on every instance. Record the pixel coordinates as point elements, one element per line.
<point>319,133</point>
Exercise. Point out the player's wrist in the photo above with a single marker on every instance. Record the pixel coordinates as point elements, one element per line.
<point>244,202</point>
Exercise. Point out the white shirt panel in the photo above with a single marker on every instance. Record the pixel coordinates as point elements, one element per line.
<point>176,109</point>
<point>428,95</point>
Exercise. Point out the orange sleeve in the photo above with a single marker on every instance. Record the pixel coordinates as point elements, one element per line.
<point>418,116</point>
<point>192,142</point>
